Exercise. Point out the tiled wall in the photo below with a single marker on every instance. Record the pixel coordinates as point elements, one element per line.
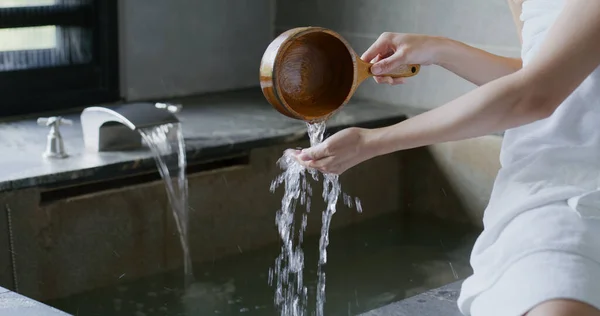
<point>184,47</point>
<point>176,48</point>
<point>486,24</point>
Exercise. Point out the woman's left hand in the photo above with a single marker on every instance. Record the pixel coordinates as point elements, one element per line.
<point>337,153</point>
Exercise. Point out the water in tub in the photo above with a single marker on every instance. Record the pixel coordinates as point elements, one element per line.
<point>370,264</point>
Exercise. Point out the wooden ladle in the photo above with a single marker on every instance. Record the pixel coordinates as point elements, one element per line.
<point>309,73</point>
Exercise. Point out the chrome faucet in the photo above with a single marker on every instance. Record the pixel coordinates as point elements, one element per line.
<point>55,147</point>
<point>116,128</point>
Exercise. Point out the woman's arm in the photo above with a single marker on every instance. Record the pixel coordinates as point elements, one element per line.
<point>391,50</point>
<point>473,64</point>
<point>570,52</point>
<point>478,66</point>
<point>481,67</point>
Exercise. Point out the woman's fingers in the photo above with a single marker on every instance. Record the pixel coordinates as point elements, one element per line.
<point>324,165</point>
<point>380,79</point>
<point>376,59</point>
<point>388,64</point>
<point>389,80</point>
<point>293,152</point>
<point>317,152</point>
<point>396,81</point>
<point>380,47</point>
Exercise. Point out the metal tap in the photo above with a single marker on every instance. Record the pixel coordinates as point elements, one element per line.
<point>55,147</point>
<point>173,108</point>
<point>117,128</point>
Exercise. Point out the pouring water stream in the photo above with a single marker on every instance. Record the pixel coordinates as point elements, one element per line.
<point>291,294</point>
<point>164,140</point>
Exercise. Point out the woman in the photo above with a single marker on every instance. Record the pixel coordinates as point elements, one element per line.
<point>539,253</point>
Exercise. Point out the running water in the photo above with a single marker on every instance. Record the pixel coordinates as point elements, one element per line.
<point>164,141</point>
<point>291,294</point>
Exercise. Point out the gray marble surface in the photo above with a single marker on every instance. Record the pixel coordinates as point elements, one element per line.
<point>13,304</point>
<point>213,125</point>
<point>436,302</point>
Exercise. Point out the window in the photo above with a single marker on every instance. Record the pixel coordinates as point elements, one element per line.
<point>57,54</point>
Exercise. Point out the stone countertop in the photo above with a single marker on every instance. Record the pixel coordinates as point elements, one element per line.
<point>436,302</point>
<point>214,126</point>
<point>13,304</point>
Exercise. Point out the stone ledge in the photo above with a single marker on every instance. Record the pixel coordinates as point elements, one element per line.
<point>214,126</point>
<point>436,302</point>
<point>13,304</point>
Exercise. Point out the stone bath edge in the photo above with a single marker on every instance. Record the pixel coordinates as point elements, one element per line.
<point>437,302</point>
<point>214,126</point>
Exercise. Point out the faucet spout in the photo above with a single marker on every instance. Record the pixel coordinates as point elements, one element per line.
<point>116,128</point>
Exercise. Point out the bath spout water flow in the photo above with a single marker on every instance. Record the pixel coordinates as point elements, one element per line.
<point>164,141</point>
<point>291,294</point>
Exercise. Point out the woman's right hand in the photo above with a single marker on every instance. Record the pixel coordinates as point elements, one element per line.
<point>391,50</point>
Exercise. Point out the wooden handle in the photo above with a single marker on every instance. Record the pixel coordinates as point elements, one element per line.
<point>401,72</point>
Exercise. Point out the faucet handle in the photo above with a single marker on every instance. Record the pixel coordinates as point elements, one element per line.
<point>53,120</point>
<point>55,147</point>
<point>173,108</point>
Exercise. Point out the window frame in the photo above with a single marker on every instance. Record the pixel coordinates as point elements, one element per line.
<point>60,88</point>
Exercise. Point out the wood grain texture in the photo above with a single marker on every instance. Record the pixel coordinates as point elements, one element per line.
<point>309,73</point>
<point>400,72</point>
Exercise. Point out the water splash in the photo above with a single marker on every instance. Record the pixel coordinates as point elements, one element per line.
<point>164,141</point>
<point>291,294</point>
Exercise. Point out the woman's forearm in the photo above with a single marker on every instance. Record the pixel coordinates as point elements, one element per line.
<point>473,64</point>
<point>497,106</point>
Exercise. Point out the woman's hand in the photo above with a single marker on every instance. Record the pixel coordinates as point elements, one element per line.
<point>339,152</point>
<point>392,50</point>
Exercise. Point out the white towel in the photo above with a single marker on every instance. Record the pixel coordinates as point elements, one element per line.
<point>546,198</point>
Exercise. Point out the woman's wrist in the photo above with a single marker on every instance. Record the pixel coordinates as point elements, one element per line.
<point>442,50</point>
<point>374,142</point>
